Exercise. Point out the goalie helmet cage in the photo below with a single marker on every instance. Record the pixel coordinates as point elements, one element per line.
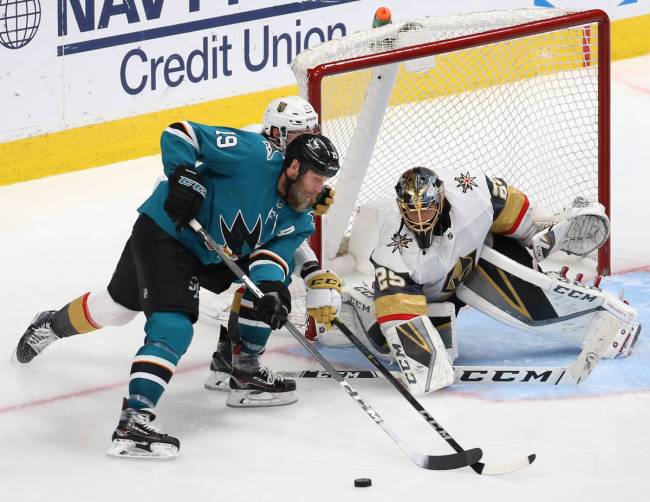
<point>521,94</point>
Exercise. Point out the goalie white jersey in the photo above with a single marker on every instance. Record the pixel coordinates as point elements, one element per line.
<point>474,207</point>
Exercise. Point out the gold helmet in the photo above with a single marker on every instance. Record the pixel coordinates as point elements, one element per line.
<point>420,198</point>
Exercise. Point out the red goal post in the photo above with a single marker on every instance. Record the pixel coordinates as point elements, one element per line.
<point>523,94</point>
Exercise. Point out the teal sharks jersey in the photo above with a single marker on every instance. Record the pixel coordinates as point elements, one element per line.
<point>242,209</point>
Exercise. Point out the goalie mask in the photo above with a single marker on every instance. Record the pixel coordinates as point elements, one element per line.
<point>290,116</point>
<point>420,198</point>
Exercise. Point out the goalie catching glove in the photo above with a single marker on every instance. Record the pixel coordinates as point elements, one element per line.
<point>323,296</point>
<point>579,229</point>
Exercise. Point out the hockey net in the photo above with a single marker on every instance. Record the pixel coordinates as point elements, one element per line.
<point>521,94</point>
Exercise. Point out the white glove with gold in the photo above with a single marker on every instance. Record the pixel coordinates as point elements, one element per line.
<point>324,201</point>
<point>323,296</point>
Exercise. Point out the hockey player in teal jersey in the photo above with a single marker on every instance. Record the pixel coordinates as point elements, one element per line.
<point>254,201</point>
<point>284,119</point>
<point>235,169</point>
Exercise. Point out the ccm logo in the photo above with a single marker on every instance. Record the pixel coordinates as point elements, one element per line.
<point>504,376</point>
<point>364,291</point>
<point>403,362</point>
<point>360,305</point>
<point>573,293</point>
<point>325,283</point>
<point>197,187</point>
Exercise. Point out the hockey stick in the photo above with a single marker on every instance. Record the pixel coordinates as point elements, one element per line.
<point>479,467</point>
<point>462,458</point>
<point>471,374</point>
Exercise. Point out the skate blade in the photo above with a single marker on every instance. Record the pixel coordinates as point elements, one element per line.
<point>218,381</point>
<point>257,399</point>
<point>125,448</point>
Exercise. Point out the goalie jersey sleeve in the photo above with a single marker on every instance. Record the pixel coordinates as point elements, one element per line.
<point>514,215</point>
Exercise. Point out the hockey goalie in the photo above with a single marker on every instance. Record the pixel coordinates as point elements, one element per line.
<point>456,238</point>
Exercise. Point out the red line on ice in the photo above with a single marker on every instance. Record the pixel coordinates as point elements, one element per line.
<point>101,388</point>
<point>85,392</point>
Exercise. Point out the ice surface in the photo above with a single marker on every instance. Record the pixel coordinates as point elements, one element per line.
<point>62,236</point>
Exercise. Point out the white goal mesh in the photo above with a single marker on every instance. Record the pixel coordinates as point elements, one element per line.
<point>517,94</point>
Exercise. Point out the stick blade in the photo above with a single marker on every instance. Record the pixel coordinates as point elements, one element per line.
<point>507,468</point>
<point>453,461</point>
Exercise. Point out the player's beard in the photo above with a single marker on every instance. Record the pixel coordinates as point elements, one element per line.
<point>298,199</point>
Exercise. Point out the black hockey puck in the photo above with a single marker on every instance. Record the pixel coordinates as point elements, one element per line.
<point>362,482</point>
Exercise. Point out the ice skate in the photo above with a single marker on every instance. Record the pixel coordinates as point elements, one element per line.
<point>36,338</point>
<point>220,369</point>
<point>136,437</point>
<point>221,364</point>
<point>259,389</point>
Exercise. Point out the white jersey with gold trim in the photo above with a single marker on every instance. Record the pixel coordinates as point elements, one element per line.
<point>452,255</point>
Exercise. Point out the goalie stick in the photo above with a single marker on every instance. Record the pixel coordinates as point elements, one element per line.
<point>472,374</point>
<point>462,458</point>
<point>479,467</point>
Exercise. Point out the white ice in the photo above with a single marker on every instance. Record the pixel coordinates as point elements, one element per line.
<point>62,236</point>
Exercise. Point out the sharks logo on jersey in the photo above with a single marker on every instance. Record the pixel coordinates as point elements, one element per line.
<point>238,233</point>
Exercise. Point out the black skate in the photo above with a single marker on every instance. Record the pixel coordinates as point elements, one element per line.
<point>37,337</point>
<point>221,364</point>
<point>136,437</point>
<point>220,370</point>
<point>261,388</point>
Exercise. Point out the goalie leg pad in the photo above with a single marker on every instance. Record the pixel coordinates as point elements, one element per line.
<point>443,317</point>
<point>624,342</point>
<point>358,312</point>
<point>417,347</point>
<point>545,304</point>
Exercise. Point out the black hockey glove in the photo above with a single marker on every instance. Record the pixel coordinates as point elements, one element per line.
<point>274,307</point>
<point>186,194</point>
